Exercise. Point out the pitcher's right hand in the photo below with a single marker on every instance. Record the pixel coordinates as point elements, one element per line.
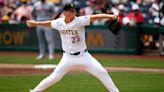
<point>31,23</point>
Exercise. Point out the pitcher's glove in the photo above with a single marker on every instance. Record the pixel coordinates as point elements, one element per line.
<point>114,25</point>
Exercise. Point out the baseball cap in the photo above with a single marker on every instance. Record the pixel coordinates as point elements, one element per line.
<point>69,6</point>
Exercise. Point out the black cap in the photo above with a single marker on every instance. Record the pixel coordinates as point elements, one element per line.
<point>69,6</point>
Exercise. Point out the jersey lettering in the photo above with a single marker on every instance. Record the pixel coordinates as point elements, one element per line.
<point>75,37</point>
<point>69,32</point>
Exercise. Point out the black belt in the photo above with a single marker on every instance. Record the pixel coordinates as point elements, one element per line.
<point>76,53</point>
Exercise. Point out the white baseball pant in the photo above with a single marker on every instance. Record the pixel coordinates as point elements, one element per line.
<point>85,60</point>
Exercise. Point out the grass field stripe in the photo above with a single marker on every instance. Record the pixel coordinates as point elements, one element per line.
<point>45,66</point>
<point>133,69</point>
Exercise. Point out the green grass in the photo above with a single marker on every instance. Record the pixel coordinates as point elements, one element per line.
<point>83,82</point>
<point>26,60</point>
<point>147,63</point>
<point>106,62</point>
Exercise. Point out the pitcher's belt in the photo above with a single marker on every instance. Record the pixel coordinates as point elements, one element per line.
<point>77,53</point>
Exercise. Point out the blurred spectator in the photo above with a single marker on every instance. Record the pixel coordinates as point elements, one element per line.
<point>135,16</point>
<point>157,21</point>
<point>95,7</point>
<point>126,21</point>
<point>116,5</point>
<point>161,6</point>
<point>99,8</point>
<point>2,2</point>
<point>23,12</point>
<point>123,1</point>
<point>1,6</point>
<point>153,12</point>
<point>104,4</point>
<point>7,10</point>
<point>11,3</point>
<point>156,37</point>
<point>144,8</point>
<point>115,1</point>
<point>44,10</point>
<point>122,12</point>
<point>5,19</point>
<point>114,8</point>
<point>162,21</point>
<point>32,2</point>
<point>66,1</point>
<point>54,1</point>
<point>88,10</point>
<point>152,41</point>
<point>150,9</point>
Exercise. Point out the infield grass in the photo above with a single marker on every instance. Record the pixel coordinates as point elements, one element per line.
<point>83,82</point>
<point>147,63</point>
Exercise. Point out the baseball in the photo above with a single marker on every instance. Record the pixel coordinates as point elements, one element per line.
<point>29,23</point>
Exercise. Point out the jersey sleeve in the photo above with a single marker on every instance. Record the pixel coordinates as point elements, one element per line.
<point>54,24</point>
<point>84,20</point>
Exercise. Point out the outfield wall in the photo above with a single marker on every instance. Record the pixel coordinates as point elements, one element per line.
<point>18,37</point>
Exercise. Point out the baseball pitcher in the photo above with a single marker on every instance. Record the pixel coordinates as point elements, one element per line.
<point>72,32</point>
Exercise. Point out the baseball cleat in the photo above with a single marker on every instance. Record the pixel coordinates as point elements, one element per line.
<point>30,90</point>
<point>40,57</point>
<point>51,57</point>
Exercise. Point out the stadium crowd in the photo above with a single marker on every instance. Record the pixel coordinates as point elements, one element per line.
<point>131,12</point>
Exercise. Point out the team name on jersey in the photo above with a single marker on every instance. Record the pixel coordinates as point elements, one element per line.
<point>69,32</point>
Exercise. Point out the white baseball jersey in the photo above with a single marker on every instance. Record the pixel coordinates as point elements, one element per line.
<point>72,34</point>
<point>73,40</point>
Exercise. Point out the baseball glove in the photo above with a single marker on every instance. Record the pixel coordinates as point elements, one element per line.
<point>114,26</point>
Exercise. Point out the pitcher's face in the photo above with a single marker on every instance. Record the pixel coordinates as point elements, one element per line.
<point>70,14</point>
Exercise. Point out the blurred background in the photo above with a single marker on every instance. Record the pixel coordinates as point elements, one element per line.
<point>142,21</point>
<point>139,46</point>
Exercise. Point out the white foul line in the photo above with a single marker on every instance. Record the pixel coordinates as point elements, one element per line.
<point>45,66</point>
